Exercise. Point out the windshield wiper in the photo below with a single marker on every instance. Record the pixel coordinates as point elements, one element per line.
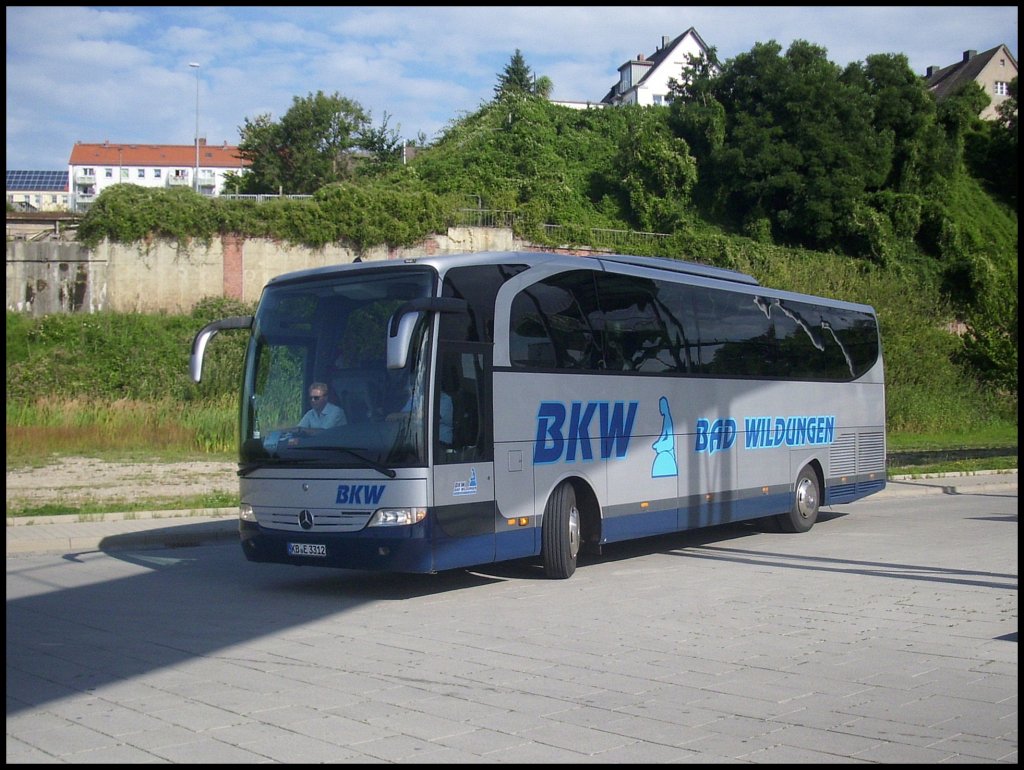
<point>245,470</point>
<point>354,451</point>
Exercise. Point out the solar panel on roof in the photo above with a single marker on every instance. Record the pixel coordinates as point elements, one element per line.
<point>37,180</point>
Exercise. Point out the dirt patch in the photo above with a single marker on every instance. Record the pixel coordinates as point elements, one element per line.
<point>76,480</point>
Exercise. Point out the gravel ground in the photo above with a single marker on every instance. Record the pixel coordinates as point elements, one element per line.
<point>77,480</point>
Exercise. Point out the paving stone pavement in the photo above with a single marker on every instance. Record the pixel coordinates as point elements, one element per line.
<point>886,635</point>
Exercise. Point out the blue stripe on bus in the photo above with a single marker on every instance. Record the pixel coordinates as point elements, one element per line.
<point>698,514</point>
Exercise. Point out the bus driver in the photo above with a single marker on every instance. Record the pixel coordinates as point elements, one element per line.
<point>322,414</point>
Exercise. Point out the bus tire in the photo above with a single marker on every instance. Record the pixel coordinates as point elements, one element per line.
<point>560,533</point>
<point>806,498</point>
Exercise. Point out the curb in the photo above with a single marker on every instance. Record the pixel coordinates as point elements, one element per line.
<point>974,482</point>
<point>173,515</point>
<point>64,534</point>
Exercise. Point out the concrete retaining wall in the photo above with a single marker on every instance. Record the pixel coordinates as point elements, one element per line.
<point>167,276</point>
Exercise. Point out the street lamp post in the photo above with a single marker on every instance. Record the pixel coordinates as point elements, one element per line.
<point>195,176</point>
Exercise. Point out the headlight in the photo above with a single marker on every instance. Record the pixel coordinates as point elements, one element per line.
<point>397,517</point>
<point>246,513</point>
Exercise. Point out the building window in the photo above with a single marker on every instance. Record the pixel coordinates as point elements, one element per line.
<point>124,173</point>
<point>142,173</point>
<point>156,173</point>
<point>1001,88</point>
<point>658,99</point>
<point>109,173</point>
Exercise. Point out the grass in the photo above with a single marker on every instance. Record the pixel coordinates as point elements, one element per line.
<point>84,510</point>
<point>980,437</point>
<point>124,428</point>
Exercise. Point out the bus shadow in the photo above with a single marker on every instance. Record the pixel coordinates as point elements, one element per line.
<point>533,569</point>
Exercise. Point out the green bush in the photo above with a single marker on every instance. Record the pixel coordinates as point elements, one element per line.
<point>112,356</point>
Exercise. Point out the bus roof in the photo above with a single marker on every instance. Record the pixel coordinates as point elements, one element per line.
<point>446,261</point>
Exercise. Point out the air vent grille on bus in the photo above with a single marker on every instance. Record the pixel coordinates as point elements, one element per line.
<point>322,521</point>
<point>843,455</point>
<point>871,452</point>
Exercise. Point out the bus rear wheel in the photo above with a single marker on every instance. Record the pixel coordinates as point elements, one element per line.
<point>560,533</point>
<point>806,498</point>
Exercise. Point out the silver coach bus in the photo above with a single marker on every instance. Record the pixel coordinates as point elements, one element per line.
<point>510,405</point>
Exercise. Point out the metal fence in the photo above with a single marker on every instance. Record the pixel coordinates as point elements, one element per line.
<point>484,218</point>
<point>600,237</point>
<point>263,197</point>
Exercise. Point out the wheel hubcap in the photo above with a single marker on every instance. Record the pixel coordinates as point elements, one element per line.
<point>574,531</point>
<point>806,499</point>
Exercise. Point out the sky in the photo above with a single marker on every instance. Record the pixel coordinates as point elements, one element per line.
<point>121,73</point>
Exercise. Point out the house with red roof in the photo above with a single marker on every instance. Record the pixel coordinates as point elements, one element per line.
<point>201,167</point>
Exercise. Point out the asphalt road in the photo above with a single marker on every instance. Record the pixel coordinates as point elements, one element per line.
<point>887,634</point>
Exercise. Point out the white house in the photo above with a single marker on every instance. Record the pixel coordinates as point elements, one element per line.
<point>644,80</point>
<point>94,167</point>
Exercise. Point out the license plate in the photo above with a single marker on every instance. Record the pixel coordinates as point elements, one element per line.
<point>307,549</point>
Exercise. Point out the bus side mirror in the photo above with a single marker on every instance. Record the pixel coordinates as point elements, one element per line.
<point>195,360</point>
<point>403,321</point>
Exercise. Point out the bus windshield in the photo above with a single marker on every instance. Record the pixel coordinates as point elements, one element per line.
<point>317,391</point>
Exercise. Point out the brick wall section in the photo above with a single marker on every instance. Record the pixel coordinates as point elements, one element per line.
<point>233,251</point>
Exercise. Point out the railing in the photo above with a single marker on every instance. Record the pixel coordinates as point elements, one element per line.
<point>262,197</point>
<point>484,218</point>
<point>613,239</point>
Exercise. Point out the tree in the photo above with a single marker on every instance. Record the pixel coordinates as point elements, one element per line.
<point>384,145</point>
<point>696,80</point>
<point>1007,111</point>
<point>515,78</point>
<point>259,145</point>
<point>902,108</point>
<point>1005,144</point>
<point>311,146</point>
<point>990,149</point>
<point>543,87</point>
<point>655,169</point>
<point>696,116</point>
<point>958,115</point>
<point>799,149</point>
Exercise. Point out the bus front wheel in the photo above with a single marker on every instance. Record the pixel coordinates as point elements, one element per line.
<point>560,533</point>
<point>806,498</point>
